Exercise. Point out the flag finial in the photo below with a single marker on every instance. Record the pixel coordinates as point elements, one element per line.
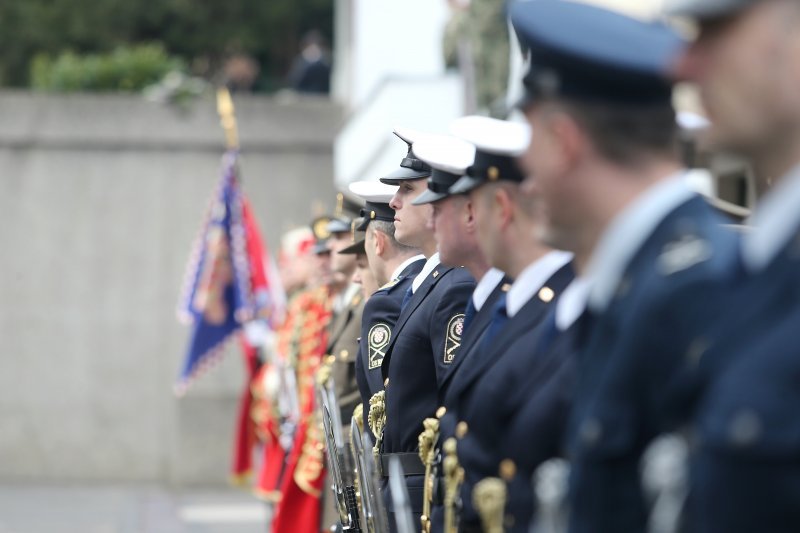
<point>227,117</point>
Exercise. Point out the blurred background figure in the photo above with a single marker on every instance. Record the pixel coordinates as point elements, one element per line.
<point>458,50</point>
<point>311,69</point>
<point>364,275</point>
<point>240,72</point>
<point>295,264</point>
<point>476,42</point>
<point>488,33</point>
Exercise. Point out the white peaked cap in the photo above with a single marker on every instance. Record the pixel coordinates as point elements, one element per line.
<point>445,152</point>
<point>492,135</point>
<point>410,135</point>
<point>373,191</point>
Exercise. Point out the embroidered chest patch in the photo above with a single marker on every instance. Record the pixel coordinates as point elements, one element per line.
<point>455,329</point>
<point>377,341</point>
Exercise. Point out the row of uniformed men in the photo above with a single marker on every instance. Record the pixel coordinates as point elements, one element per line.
<point>658,319</point>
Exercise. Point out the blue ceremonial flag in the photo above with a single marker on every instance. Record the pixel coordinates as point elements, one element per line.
<point>218,296</point>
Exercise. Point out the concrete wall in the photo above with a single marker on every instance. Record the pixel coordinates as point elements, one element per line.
<point>100,200</point>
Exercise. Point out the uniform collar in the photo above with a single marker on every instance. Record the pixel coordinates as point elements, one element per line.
<point>775,221</point>
<point>430,264</point>
<point>627,233</point>
<point>485,286</point>
<point>572,303</point>
<point>532,279</point>
<point>404,265</point>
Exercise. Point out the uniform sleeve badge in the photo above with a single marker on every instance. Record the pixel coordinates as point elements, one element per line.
<point>455,329</point>
<point>378,340</point>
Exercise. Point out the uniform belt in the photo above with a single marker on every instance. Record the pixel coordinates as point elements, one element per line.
<point>410,461</point>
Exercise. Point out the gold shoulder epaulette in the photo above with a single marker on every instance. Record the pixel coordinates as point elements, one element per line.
<point>392,283</point>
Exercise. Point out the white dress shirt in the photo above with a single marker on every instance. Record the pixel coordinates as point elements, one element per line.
<point>572,303</point>
<point>775,221</point>
<point>430,265</point>
<point>485,286</point>
<point>532,279</point>
<point>403,265</point>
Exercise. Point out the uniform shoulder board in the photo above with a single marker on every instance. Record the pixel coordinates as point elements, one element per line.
<point>455,329</point>
<point>391,284</point>
<point>683,253</point>
<point>377,340</point>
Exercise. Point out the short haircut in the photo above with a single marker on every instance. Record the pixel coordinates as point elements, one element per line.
<point>626,133</point>
<point>387,228</point>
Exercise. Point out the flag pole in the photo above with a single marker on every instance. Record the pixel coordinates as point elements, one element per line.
<point>227,118</point>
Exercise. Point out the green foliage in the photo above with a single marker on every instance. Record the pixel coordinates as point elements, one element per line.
<point>124,69</point>
<point>200,32</point>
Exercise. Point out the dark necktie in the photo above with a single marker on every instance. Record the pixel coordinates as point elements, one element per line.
<point>583,328</point>
<point>549,331</point>
<point>406,298</point>
<point>469,314</point>
<point>499,319</point>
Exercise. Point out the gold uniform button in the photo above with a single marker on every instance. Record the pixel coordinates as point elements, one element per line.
<point>330,359</point>
<point>461,429</point>
<point>441,411</point>
<point>746,428</point>
<point>386,382</point>
<point>591,431</point>
<point>508,469</point>
<point>343,354</point>
<point>506,287</point>
<point>546,294</point>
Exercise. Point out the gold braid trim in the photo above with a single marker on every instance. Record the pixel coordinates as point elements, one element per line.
<point>427,454</point>
<point>453,477</point>
<point>377,419</point>
<point>489,497</point>
<point>312,460</point>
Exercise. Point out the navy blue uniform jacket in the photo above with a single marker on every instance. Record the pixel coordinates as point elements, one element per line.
<point>380,315</point>
<point>639,353</point>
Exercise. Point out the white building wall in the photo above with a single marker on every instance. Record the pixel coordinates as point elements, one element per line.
<point>390,71</point>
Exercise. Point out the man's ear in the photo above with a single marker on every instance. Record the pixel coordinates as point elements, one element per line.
<point>569,142</point>
<point>504,205</point>
<point>381,241</point>
<point>469,216</point>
